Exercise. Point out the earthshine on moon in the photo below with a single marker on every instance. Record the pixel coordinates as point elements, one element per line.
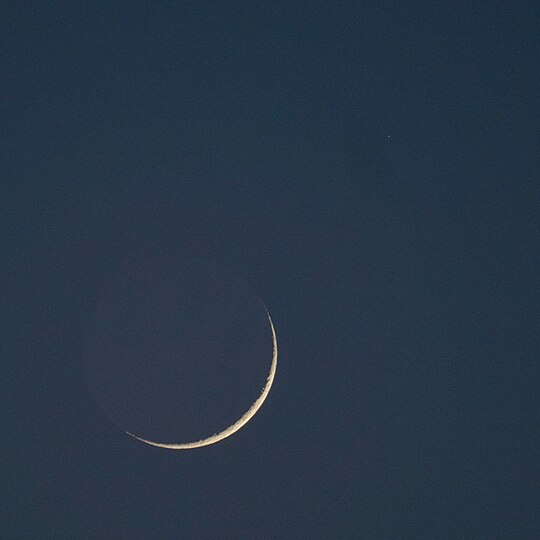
<point>239,423</point>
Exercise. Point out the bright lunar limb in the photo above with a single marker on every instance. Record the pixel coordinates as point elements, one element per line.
<point>237,425</point>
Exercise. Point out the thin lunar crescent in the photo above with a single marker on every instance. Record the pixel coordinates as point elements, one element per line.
<point>237,425</point>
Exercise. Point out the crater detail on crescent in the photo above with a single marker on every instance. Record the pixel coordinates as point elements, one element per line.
<point>216,437</point>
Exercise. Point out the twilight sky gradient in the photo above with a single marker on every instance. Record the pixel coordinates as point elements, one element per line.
<point>371,169</point>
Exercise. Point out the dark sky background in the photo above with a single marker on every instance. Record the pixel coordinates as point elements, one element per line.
<point>371,168</point>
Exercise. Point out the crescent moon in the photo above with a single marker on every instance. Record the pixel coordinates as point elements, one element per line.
<point>239,423</point>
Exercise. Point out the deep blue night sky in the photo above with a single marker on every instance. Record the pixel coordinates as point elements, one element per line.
<point>372,170</point>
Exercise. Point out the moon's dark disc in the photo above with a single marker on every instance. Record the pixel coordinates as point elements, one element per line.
<point>177,351</point>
